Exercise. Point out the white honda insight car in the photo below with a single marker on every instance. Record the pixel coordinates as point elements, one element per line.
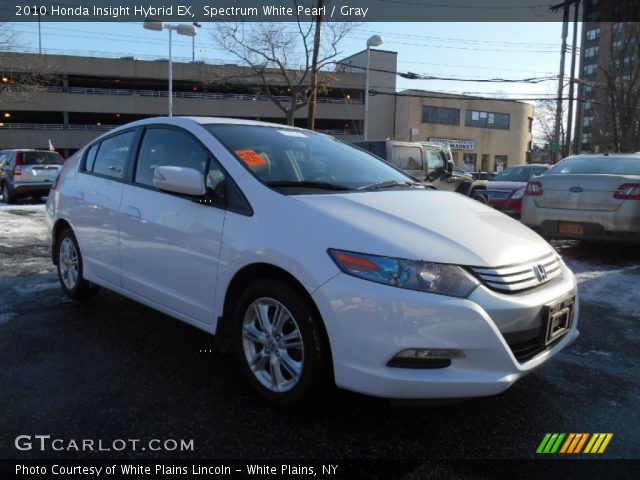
<point>313,260</point>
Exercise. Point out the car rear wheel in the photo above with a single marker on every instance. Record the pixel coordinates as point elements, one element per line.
<point>6,196</point>
<point>70,268</point>
<point>279,344</point>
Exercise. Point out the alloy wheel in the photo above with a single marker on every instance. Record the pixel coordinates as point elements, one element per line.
<point>272,344</point>
<point>68,260</point>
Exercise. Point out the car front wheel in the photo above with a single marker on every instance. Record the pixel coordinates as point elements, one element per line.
<point>279,343</point>
<point>70,268</point>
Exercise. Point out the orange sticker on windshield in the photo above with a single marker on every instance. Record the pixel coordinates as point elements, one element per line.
<point>251,157</point>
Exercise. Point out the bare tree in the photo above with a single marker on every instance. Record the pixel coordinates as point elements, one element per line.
<point>22,74</point>
<point>7,37</point>
<point>619,120</point>
<point>544,119</point>
<point>280,57</point>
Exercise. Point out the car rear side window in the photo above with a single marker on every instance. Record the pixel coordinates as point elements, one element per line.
<point>40,158</point>
<point>91,157</point>
<point>594,165</point>
<point>168,147</point>
<point>111,159</point>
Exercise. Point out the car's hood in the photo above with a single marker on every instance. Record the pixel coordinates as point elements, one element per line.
<point>509,186</point>
<point>424,225</point>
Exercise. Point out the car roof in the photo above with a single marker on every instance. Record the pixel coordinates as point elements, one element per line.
<point>206,121</point>
<point>26,150</point>
<point>603,155</point>
<point>530,165</point>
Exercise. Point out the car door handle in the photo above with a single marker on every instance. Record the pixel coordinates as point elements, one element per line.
<point>133,213</point>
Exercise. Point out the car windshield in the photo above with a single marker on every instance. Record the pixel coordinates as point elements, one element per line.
<point>518,174</point>
<point>41,158</point>
<point>288,158</point>
<point>607,165</point>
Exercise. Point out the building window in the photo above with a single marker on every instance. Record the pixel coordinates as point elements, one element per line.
<point>588,105</point>
<point>440,115</point>
<point>617,45</point>
<point>586,138</point>
<point>501,163</point>
<point>530,124</point>
<point>593,33</point>
<point>590,69</point>
<point>587,121</point>
<point>476,118</point>
<point>469,162</point>
<point>591,52</point>
<point>588,88</point>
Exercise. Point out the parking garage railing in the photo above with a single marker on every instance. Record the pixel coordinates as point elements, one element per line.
<point>178,94</point>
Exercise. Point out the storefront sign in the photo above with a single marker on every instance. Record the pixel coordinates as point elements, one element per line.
<point>455,143</point>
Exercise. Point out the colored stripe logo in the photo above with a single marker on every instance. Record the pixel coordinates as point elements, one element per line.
<point>574,443</point>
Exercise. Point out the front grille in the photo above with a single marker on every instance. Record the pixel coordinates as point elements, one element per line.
<point>526,350</point>
<point>514,278</point>
<point>496,194</point>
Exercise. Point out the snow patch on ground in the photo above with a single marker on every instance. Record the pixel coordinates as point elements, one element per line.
<point>20,222</point>
<point>609,285</point>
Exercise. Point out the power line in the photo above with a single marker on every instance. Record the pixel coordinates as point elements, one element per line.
<point>425,76</point>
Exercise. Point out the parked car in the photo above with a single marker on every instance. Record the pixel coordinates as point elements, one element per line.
<point>590,197</point>
<point>27,173</point>
<point>506,190</point>
<point>313,260</point>
<point>431,162</point>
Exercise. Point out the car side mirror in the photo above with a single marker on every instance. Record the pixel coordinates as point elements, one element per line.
<point>187,181</point>
<point>449,167</point>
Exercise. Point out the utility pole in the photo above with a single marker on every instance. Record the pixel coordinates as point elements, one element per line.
<point>572,80</point>
<point>556,133</point>
<point>193,43</point>
<point>311,117</point>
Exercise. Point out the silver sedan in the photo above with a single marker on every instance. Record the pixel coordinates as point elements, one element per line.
<point>592,197</point>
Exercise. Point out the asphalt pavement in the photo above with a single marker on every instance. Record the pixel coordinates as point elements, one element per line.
<point>111,368</point>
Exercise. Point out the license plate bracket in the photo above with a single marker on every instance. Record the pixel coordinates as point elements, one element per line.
<point>558,319</point>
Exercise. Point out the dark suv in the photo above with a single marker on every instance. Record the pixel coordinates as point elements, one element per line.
<point>28,173</point>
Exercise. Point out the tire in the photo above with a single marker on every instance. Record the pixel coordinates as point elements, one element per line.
<point>480,198</point>
<point>6,196</point>
<point>70,268</point>
<point>284,372</point>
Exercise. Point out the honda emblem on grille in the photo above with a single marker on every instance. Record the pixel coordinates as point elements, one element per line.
<point>540,272</point>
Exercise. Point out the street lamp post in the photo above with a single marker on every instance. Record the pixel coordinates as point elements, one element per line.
<point>374,41</point>
<point>182,29</point>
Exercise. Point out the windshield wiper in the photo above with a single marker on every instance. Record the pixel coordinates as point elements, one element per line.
<point>308,184</point>
<point>393,184</point>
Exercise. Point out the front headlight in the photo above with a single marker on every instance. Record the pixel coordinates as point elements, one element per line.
<point>517,194</point>
<point>429,277</point>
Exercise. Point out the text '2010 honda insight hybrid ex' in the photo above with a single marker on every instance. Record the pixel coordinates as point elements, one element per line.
<point>313,260</point>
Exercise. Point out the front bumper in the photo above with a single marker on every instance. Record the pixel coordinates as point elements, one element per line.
<point>369,323</point>
<point>513,208</point>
